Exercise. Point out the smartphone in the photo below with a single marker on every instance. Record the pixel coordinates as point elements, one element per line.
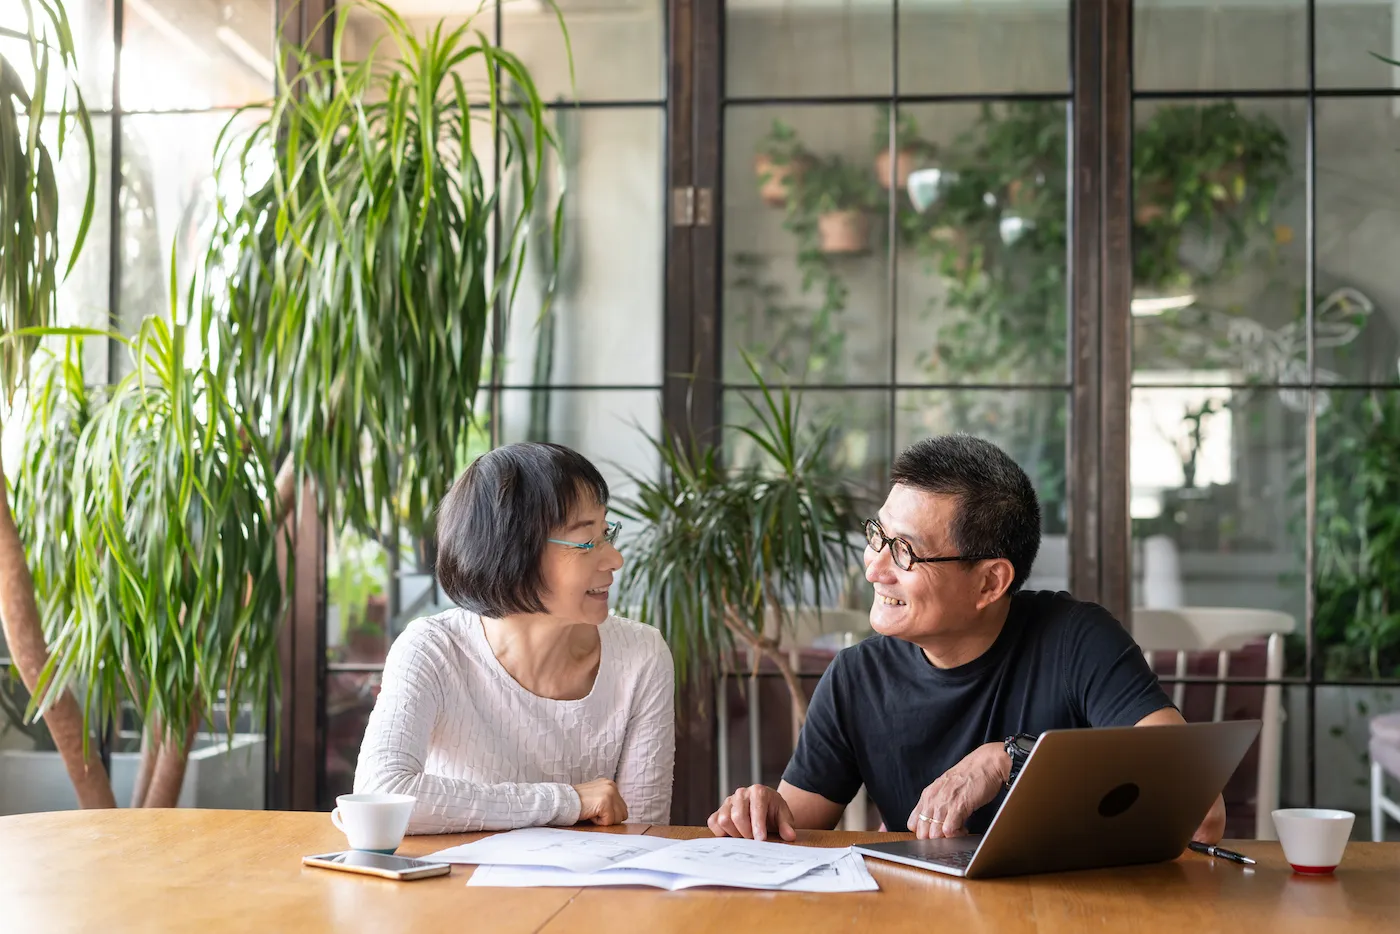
<point>401,868</point>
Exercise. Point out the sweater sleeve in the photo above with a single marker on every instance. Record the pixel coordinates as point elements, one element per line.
<point>649,749</point>
<point>395,751</point>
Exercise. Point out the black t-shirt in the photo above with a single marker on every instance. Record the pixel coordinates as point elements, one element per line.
<point>885,717</point>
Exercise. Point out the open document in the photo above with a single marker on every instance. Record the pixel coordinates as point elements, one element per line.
<point>553,854</point>
<point>847,874</point>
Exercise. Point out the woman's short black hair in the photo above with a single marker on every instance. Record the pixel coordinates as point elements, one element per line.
<point>493,524</point>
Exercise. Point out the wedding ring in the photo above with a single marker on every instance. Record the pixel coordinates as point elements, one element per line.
<point>928,819</point>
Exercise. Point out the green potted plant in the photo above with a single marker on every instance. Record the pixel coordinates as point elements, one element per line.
<point>355,287</point>
<point>726,552</point>
<point>910,151</point>
<point>1212,170</point>
<point>29,278</point>
<point>348,295</point>
<point>147,511</point>
<point>840,197</point>
<point>779,164</point>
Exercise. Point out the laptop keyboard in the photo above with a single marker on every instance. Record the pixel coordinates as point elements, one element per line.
<point>958,860</point>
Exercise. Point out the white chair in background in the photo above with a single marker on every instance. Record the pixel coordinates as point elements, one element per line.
<point>1225,630</point>
<point>1385,758</point>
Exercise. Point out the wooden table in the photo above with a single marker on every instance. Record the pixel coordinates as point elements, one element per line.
<point>214,871</point>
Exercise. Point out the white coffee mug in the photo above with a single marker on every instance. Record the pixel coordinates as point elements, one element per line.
<point>1313,839</point>
<point>373,822</point>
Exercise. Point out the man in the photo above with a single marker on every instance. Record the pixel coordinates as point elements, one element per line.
<point>962,660</point>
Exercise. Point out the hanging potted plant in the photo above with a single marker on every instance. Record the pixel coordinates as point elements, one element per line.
<point>910,151</point>
<point>840,197</point>
<point>1211,171</point>
<point>779,164</point>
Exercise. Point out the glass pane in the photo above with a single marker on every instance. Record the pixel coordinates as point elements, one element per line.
<point>1029,425</point>
<point>618,48</point>
<point>357,602</point>
<point>983,284</point>
<point>83,296</point>
<point>1229,46</point>
<point>808,48</point>
<point>860,422</point>
<point>1358,515</point>
<point>983,48</point>
<point>1217,497</point>
<point>1349,37</point>
<point>349,697</point>
<point>91,25</point>
<point>17,734</point>
<point>609,427</point>
<point>1218,247</point>
<point>1342,732</point>
<point>806,281</point>
<point>196,54</point>
<point>1358,210</point>
<point>167,199</point>
<point>604,323</point>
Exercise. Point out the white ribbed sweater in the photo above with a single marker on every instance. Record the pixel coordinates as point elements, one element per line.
<point>454,729</point>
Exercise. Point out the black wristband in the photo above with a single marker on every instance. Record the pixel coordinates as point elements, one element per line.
<point>1018,749</point>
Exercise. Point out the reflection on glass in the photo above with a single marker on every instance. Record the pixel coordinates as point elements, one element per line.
<point>83,295</point>
<point>16,732</point>
<point>1261,46</point>
<point>1341,734</point>
<point>983,291</point>
<point>350,697</point>
<point>1218,248</point>
<point>858,422</point>
<point>91,24</point>
<point>1358,523</point>
<point>609,427</point>
<point>168,198</point>
<point>603,323</point>
<point>1350,36</point>
<point>1358,208</point>
<point>808,48</point>
<point>806,289</point>
<point>983,48</point>
<point>196,54</point>
<point>1217,493</point>
<point>1029,425</point>
<point>357,603</point>
<point>618,51</point>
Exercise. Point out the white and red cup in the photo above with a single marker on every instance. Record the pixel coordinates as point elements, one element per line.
<point>1313,839</point>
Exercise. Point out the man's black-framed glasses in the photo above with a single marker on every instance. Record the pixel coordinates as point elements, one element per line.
<point>903,553</point>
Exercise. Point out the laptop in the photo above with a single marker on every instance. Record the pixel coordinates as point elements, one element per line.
<point>1096,797</point>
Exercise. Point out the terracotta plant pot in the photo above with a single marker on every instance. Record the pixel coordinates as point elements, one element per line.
<point>775,180</point>
<point>843,232</point>
<point>904,164</point>
<point>1151,202</point>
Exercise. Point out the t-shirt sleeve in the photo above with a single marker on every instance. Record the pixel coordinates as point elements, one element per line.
<point>1106,675</point>
<point>824,762</point>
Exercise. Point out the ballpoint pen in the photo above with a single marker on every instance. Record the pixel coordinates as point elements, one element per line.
<point>1221,852</point>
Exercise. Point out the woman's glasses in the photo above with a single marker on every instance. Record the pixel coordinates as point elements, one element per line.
<point>609,536</point>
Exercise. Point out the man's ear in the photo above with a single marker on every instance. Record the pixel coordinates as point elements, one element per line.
<point>996,576</point>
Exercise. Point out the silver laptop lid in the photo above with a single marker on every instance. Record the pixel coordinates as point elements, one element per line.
<point>1088,798</point>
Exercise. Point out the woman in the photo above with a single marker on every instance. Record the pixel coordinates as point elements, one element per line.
<point>529,704</point>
